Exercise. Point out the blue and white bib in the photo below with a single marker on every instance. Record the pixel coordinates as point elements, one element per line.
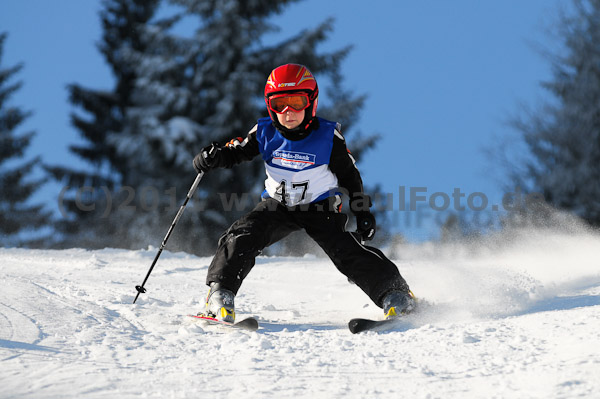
<point>297,171</point>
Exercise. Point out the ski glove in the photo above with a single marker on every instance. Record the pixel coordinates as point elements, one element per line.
<point>365,221</point>
<point>366,225</point>
<point>208,158</point>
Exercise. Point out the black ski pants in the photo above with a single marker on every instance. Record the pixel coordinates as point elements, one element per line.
<point>271,221</point>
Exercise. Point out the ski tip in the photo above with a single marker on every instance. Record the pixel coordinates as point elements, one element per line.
<point>352,326</point>
<point>249,323</point>
<point>359,325</point>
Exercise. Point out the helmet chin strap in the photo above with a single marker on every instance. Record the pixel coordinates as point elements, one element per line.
<point>308,125</point>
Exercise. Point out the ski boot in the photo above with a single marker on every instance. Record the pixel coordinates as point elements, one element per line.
<point>220,303</point>
<point>398,303</point>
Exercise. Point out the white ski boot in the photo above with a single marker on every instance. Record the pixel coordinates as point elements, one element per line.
<point>220,303</point>
<point>398,303</point>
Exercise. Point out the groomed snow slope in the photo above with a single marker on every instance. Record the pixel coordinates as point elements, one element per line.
<point>520,319</point>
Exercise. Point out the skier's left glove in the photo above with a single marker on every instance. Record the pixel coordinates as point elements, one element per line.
<point>366,225</point>
<point>365,221</point>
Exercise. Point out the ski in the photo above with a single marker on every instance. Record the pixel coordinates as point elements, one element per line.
<point>359,325</point>
<point>248,324</point>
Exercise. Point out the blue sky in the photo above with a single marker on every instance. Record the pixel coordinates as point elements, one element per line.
<point>442,78</point>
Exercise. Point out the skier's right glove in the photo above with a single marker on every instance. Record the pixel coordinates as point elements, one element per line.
<point>208,158</point>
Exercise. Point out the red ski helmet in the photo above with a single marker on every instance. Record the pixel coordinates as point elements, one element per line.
<point>291,78</point>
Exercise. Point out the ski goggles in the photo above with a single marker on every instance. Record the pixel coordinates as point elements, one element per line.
<point>296,102</point>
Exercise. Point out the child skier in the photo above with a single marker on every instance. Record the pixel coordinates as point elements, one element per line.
<point>307,166</point>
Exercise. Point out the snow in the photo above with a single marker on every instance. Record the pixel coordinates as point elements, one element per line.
<point>517,320</point>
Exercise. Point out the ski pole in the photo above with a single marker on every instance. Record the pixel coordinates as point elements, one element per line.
<point>140,288</point>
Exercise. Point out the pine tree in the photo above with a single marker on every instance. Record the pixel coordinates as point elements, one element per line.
<point>16,184</point>
<point>564,136</point>
<point>94,194</point>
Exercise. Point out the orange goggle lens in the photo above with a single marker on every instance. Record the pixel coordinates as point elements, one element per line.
<point>296,102</point>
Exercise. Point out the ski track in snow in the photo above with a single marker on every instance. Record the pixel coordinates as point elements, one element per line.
<point>518,321</point>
